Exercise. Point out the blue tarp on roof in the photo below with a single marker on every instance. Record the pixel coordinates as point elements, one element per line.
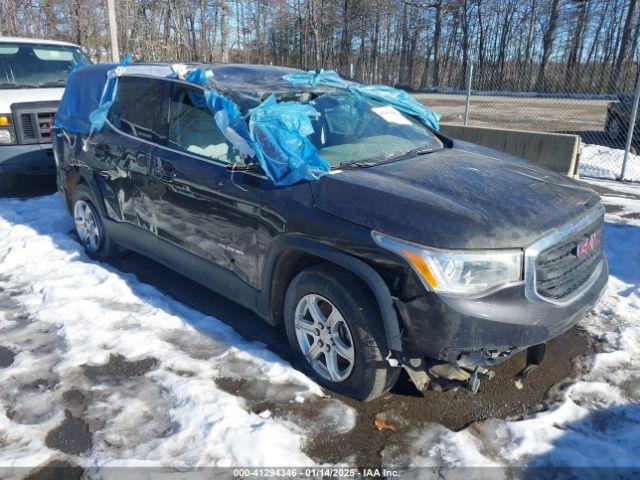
<point>392,96</point>
<point>85,86</point>
<point>276,133</point>
<point>280,131</point>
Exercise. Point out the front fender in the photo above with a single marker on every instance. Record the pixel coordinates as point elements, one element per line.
<point>293,242</point>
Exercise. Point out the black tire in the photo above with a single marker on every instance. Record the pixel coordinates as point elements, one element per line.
<point>7,182</point>
<point>614,127</point>
<point>106,247</point>
<point>371,375</point>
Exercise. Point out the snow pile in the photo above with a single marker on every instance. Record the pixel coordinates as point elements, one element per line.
<point>595,421</point>
<point>139,368</point>
<point>604,162</point>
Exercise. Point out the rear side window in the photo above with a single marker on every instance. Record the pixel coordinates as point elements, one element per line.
<point>137,108</point>
<point>192,127</point>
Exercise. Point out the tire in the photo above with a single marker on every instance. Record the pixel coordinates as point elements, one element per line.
<point>7,182</point>
<point>86,217</point>
<point>614,128</point>
<point>330,288</point>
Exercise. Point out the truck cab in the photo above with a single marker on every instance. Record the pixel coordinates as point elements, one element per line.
<point>33,75</point>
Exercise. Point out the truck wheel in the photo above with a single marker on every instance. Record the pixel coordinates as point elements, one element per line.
<point>7,182</point>
<point>89,225</point>
<point>336,333</point>
<point>614,128</point>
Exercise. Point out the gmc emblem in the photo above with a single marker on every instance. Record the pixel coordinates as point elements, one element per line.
<point>589,244</point>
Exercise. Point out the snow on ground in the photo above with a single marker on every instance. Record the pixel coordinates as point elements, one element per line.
<point>113,372</point>
<point>96,350</point>
<point>604,162</point>
<point>595,420</point>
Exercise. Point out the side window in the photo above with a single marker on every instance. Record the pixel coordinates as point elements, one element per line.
<point>192,127</point>
<point>138,107</point>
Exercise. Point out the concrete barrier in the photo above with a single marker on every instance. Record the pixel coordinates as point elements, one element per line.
<point>556,151</point>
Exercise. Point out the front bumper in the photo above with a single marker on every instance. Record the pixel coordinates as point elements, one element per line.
<point>34,159</point>
<point>489,329</point>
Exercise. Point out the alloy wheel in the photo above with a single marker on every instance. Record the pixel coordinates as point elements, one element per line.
<point>87,226</point>
<point>324,337</point>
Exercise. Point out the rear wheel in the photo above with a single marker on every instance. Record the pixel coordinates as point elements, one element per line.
<point>7,182</point>
<point>89,225</point>
<point>335,330</point>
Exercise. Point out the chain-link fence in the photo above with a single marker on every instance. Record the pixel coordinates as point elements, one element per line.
<point>601,120</point>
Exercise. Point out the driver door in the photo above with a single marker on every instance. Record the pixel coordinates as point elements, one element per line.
<point>202,205</point>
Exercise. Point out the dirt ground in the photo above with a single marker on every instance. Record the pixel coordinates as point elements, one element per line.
<point>581,116</point>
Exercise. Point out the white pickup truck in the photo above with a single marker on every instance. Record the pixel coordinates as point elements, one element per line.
<point>33,75</point>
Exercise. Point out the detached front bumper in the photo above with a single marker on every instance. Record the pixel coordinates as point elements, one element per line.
<point>489,329</point>
<point>34,159</point>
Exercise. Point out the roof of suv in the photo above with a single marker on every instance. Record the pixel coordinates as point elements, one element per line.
<point>233,76</point>
<point>35,41</point>
<point>247,85</point>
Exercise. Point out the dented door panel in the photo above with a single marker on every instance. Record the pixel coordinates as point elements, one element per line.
<point>122,173</point>
<point>203,211</point>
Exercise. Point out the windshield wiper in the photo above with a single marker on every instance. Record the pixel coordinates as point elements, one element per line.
<point>51,84</point>
<point>348,164</point>
<point>416,152</point>
<point>40,85</point>
<point>388,158</point>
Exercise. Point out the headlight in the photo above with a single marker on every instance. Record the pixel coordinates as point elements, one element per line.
<point>6,130</point>
<point>462,272</point>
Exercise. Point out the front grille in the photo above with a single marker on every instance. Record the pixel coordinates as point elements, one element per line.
<point>565,267</point>
<point>34,121</point>
<point>27,126</point>
<point>35,127</point>
<point>45,119</point>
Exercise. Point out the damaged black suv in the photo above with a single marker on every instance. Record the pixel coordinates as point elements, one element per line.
<point>411,250</point>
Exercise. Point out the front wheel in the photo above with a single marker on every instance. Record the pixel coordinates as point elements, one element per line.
<point>336,333</point>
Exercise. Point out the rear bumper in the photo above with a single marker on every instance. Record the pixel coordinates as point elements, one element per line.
<point>35,159</point>
<point>490,329</point>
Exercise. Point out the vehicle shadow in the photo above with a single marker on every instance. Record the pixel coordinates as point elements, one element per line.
<point>31,186</point>
<point>603,444</point>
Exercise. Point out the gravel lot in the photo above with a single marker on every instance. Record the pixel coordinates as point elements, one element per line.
<point>580,116</point>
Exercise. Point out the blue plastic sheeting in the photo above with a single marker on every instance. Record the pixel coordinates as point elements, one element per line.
<point>280,131</point>
<point>311,78</point>
<point>82,96</point>
<point>389,95</point>
<point>277,133</point>
<point>400,100</point>
<point>225,113</point>
<point>86,100</point>
<point>99,115</point>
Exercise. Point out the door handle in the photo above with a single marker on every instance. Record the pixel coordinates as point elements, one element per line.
<point>164,171</point>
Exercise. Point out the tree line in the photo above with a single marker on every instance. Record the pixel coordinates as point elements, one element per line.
<point>553,46</point>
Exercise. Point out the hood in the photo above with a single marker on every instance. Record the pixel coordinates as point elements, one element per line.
<point>462,197</point>
<point>9,96</point>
